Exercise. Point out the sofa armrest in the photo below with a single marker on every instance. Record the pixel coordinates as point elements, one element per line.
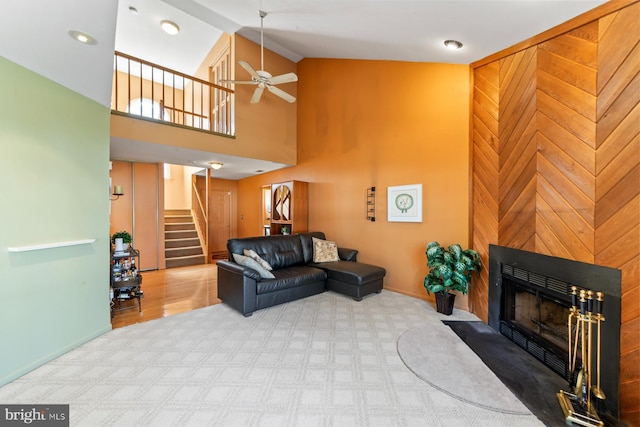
<point>237,286</point>
<point>347,254</point>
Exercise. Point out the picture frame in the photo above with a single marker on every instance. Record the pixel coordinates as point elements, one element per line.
<point>404,203</point>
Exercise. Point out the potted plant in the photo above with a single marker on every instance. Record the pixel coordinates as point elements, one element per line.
<point>120,238</point>
<point>450,269</point>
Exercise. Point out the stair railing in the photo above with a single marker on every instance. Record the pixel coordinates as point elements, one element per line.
<point>144,89</point>
<point>201,220</point>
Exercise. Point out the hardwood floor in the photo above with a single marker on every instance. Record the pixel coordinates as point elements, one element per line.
<point>171,291</point>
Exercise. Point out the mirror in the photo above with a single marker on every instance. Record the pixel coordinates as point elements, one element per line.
<point>286,203</point>
<point>276,209</point>
<point>281,209</point>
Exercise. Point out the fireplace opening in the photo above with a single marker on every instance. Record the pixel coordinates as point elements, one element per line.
<point>542,317</point>
<point>529,302</point>
<point>536,320</point>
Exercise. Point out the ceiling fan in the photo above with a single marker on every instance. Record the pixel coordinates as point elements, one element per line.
<point>262,78</point>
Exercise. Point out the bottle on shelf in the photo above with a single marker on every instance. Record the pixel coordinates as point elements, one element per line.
<point>132,268</point>
<point>117,271</point>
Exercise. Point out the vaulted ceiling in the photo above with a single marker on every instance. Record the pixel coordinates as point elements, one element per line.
<point>35,33</point>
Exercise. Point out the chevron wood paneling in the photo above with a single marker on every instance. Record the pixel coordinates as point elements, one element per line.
<point>485,164</point>
<point>617,215</point>
<point>567,108</point>
<point>556,162</point>
<point>517,131</point>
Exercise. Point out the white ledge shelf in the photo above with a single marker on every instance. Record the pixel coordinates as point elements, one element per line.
<point>50,245</point>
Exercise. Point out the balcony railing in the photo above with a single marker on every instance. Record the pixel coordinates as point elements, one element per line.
<point>141,88</point>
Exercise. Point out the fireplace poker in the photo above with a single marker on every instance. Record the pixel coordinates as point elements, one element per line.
<point>582,374</point>
<point>597,391</point>
<point>589,349</point>
<point>573,312</point>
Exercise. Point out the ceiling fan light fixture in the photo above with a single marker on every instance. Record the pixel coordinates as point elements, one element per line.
<point>215,165</point>
<point>452,44</point>
<point>170,27</point>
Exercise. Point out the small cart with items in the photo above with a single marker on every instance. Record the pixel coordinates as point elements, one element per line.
<point>125,280</point>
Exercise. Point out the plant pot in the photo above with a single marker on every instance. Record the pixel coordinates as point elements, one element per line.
<point>119,245</point>
<point>444,303</point>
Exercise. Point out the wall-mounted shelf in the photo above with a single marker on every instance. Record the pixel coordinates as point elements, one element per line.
<point>50,245</point>
<point>371,204</point>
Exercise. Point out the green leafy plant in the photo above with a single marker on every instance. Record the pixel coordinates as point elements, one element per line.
<point>450,269</point>
<point>124,235</point>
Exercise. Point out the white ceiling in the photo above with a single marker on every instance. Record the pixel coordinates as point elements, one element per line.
<point>34,33</point>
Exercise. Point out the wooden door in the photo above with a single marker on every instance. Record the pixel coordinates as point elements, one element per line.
<point>219,220</point>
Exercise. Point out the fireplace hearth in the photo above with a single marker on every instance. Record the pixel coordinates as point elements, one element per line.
<point>529,301</point>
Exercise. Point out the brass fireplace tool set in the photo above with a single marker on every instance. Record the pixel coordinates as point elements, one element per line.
<point>579,407</point>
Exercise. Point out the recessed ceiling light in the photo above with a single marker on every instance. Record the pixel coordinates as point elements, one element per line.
<point>170,27</point>
<point>452,44</point>
<point>82,37</point>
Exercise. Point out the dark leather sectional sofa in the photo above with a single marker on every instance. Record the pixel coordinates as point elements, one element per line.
<point>295,274</point>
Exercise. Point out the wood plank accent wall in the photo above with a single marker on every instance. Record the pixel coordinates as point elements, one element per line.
<point>556,162</point>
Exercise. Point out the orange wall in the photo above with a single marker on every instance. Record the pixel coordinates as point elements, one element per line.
<point>378,123</point>
<point>121,215</point>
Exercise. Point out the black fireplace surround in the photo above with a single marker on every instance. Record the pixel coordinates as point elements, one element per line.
<point>547,280</point>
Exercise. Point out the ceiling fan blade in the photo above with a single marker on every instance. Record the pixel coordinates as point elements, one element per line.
<point>249,69</point>
<point>257,94</point>
<point>239,82</point>
<point>283,78</point>
<point>282,94</point>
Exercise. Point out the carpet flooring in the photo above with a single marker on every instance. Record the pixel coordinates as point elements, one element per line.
<point>451,367</point>
<point>325,360</point>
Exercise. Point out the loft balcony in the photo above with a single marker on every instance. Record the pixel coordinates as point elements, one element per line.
<point>152,92</point>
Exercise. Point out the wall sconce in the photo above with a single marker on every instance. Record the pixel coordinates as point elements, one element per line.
<point>215,165</point>
<point>117,191</point>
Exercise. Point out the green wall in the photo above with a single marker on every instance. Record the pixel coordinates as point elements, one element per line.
<point>54,187</point>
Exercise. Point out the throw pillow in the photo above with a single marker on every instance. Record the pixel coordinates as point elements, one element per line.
<point>251,263</point>
<point>253,255</point>
<point>324,251</point>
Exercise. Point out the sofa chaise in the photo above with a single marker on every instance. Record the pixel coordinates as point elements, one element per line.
<point>269,270</point>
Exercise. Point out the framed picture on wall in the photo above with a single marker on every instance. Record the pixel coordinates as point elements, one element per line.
<point>404,203</point>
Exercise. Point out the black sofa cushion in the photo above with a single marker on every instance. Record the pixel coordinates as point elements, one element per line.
<point>291,277</point>
<point>355,273</point>
<point>279,251</point>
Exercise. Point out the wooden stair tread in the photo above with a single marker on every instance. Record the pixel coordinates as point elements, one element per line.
<point>182,245</point>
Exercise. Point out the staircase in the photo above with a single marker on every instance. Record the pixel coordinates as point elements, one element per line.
<point>182,246</point>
